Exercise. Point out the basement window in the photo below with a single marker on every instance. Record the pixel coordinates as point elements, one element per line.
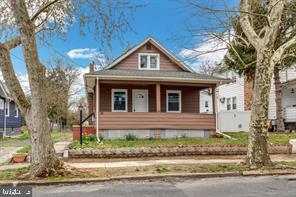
<point>148,61</point>
<point>119,100</point>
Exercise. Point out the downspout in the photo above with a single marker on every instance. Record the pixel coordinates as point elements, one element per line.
<point>97,109</point>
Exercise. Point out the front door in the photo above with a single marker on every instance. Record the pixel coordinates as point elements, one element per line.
<point>140,100</point>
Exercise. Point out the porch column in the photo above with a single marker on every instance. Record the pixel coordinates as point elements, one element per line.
<point>158,108</point>
<point>158,98</point>
<point>97,107</point>
<point>214,99</point>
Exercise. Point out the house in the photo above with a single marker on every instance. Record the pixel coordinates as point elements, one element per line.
<point>150,93</point>
<point>234,101</point>
<point>10,117</point>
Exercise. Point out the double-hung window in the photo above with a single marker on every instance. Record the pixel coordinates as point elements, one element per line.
<point>7,108</point>
<point>228,104</point>
<point>119,100</point>
<point>233,103</point>
<point>173,101</point>
<point>148,61</point>
<point>16,111</point>
<point>1,104</point>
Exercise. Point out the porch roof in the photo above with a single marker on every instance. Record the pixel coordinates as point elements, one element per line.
<point>155,75</point>
<point>289,83</point>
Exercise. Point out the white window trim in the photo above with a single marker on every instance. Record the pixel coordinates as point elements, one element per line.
<point>231,103</point>
<point>16,111</point>
<point>8,111</point>
<point>148,61</point>
<point>2,106</point>
<point>180,100</point>
<point>112,99</point>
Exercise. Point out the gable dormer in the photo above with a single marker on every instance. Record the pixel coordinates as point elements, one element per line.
<point>149,55</point>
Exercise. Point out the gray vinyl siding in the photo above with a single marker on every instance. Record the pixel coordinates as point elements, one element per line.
<point>12,122</point>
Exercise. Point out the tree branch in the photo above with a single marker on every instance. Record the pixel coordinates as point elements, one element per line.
<point>10,44</point>
<point>11,80</point>
<point>278,54</point>
<point>246,25</point>
<point>44,7</point>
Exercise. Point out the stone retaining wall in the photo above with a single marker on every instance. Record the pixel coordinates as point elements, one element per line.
<point>170,151</point>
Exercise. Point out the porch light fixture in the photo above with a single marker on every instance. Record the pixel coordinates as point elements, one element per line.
<point>292,91</point>
<point>222,100</point>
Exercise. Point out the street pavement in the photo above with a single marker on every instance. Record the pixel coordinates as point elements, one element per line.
<point>283,186</point>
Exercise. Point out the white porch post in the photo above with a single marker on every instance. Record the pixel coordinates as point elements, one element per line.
<point>97,108</point>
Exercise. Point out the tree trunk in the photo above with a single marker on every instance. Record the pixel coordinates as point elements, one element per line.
<point>44,160</point>
<point>257,155</point>
<point>278,100</point>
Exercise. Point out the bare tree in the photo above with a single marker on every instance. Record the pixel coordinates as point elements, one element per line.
<point>263,40</point>
<point>21,20</point>
<point>209,68</point>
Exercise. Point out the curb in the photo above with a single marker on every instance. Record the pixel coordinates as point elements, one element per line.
<point>142,177</point>
<point>119,178</point>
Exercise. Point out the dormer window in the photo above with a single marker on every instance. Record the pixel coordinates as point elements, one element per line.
<point>148,61</point>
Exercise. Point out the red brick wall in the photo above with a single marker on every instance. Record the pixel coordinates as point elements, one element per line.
<point>89,130</point>
<point>248,93</point>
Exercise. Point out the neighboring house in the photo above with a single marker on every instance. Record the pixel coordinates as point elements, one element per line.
<point>150,93</point>
<point>234,101</point>
<point>10,117</point>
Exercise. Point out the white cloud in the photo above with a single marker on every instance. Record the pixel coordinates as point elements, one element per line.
<point>85,53</point>
<point>211,50</point>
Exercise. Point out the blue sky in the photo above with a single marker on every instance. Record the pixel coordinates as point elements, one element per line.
<point>161,19</point>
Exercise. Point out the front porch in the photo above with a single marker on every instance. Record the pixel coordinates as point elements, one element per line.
<point>151,109</point>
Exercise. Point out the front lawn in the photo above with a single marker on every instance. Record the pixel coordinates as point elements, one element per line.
<point>55,136</point>
<point>240,138</point>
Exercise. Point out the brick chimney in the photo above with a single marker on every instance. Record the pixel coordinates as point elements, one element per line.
<point>91,67</point>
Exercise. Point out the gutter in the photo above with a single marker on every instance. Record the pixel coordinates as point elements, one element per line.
<point>166,79</point>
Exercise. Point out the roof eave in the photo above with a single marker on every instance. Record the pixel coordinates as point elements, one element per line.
<point>169,79</point>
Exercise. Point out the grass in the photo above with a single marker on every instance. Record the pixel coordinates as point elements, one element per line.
<point>240,138</point>
<point>13,173</point>
<point>55,136</point>
<point>25,149</point>
<point>23,136</point>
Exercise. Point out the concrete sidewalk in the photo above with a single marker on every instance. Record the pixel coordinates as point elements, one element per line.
<point>139,163</point>
<point>6,153</point>
<point>124,164</point>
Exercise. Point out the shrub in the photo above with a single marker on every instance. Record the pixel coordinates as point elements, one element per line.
<point>101,137</point>
<point>92,138</point>
<point>130,137</point>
